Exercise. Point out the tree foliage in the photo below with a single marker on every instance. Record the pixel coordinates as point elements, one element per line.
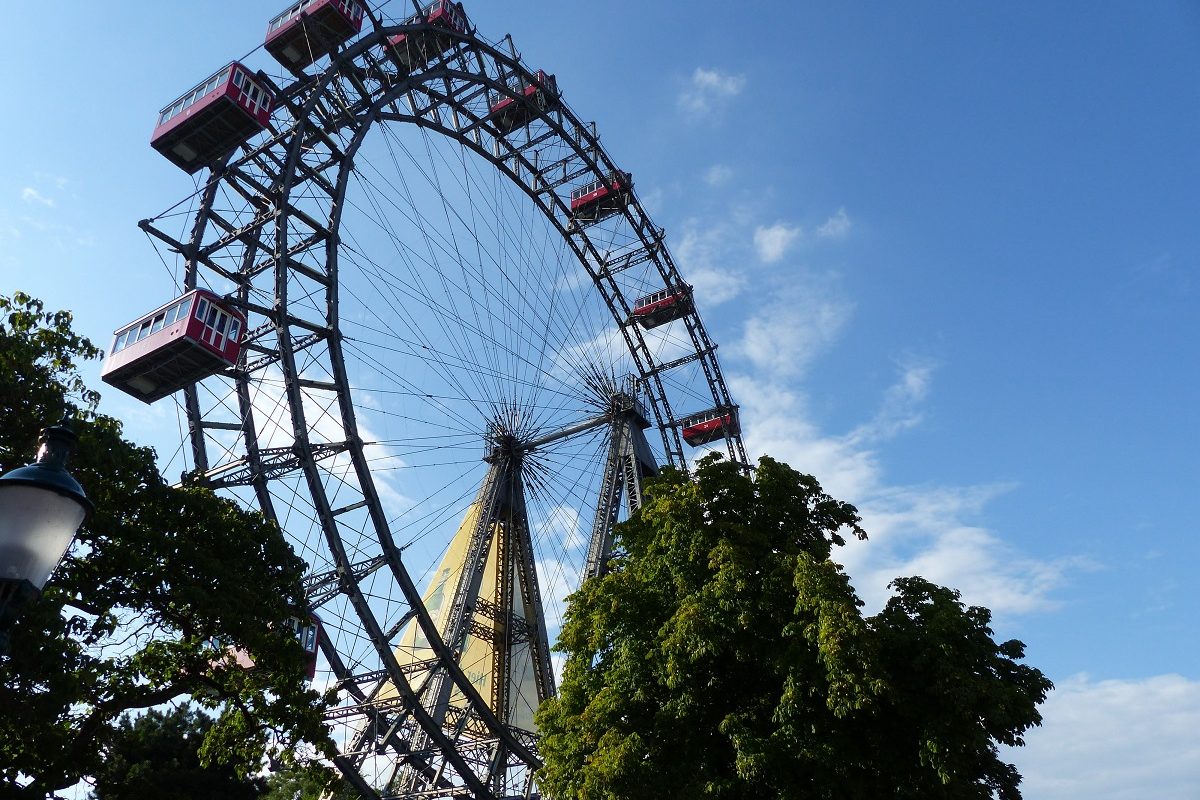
<point>156,756</point>
<point>725,655</point>
<point>294,784</point>
<point>157,572</point>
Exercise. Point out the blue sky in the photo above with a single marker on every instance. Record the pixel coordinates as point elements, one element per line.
<point>949,254</point>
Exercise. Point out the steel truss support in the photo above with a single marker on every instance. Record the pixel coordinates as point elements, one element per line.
<point>496,605</point>
<point>628,463</point>
<point>269,223</point>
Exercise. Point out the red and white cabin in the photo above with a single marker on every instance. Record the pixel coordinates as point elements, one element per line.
<point>330,23</point>
<point>709,426</point>
<point>418,48</point>
<point>662,306</point>
<point>307,630</point>
<point>210,120</point>
<point>186,340</point>
<point>600,198</point>
<point>508,112</point>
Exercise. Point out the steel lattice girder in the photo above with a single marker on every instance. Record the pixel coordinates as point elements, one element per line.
<point>285,171</point>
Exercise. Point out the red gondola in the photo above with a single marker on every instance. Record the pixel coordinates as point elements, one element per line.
<point>662,306</point>
<point>330,23</point>
<point>532,98</point>
<point>709,426</point>
<point>418,48</point>
<point>213,118</point>
<point>307,630</point>
<point>188,339</point>
<point>600,198</point>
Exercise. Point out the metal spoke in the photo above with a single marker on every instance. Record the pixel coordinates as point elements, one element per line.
<point>433,333</point>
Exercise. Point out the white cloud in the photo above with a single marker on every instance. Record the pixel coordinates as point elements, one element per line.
<point>901,405</point>
<point>273,424</point>
<point>716,253</point>
<point>777,422</point>
<point>715,286</point>
<point>718,175</point>
<point>836,227</point>
<point>8,231</point>
<point>31,195</point>
<point>653,200</point>
<point>784,336</point>
<point>1115,740</point>
<point>557,578</point>
<point>708,263</point>
<point>931,531</point>
<point>564,524</point>
<point>709,87</point>
<point>772,242</point>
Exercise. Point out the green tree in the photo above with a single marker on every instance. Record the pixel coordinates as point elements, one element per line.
<point>127,621</point>
<point>725,655</point>
<point>292,784</point>
<point>156,756</point>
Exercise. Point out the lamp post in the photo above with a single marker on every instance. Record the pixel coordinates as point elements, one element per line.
<point>41,508</point>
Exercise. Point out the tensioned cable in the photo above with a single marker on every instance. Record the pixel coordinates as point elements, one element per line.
<point>472,310</point>
<point>544,283</point>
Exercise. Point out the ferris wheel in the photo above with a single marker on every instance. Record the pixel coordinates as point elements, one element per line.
<point>428,328</point>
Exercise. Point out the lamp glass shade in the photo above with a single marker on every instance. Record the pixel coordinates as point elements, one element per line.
<point>36,528</point>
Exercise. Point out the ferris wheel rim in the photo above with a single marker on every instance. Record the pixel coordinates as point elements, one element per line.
<point>600,166</point>
<point>619,306</point>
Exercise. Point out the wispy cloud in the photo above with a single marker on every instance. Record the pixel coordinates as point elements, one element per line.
<point>708,262</point>
<point>721,254</point>
<point>715,286</point>
<point>31,195</point>
<point>932,532</point>
<point>836,227</point>
<point>708,88</point>
<point>718,175</point>
<point>47,231</point>
<point>275,429</point>
<point>1115,740</point>
<point>900,408</point>
<point>8,231</point>
<point>927,530</point>
<point>652,200</point>
<point>777,421</point>
<point>783,337</point>
<point>772,242</point>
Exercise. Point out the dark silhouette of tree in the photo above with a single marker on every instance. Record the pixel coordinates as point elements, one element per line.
<point>156,756</point>
<point>127,621</point>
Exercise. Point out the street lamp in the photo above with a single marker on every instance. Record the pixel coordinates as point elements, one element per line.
<point>41,508</point>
